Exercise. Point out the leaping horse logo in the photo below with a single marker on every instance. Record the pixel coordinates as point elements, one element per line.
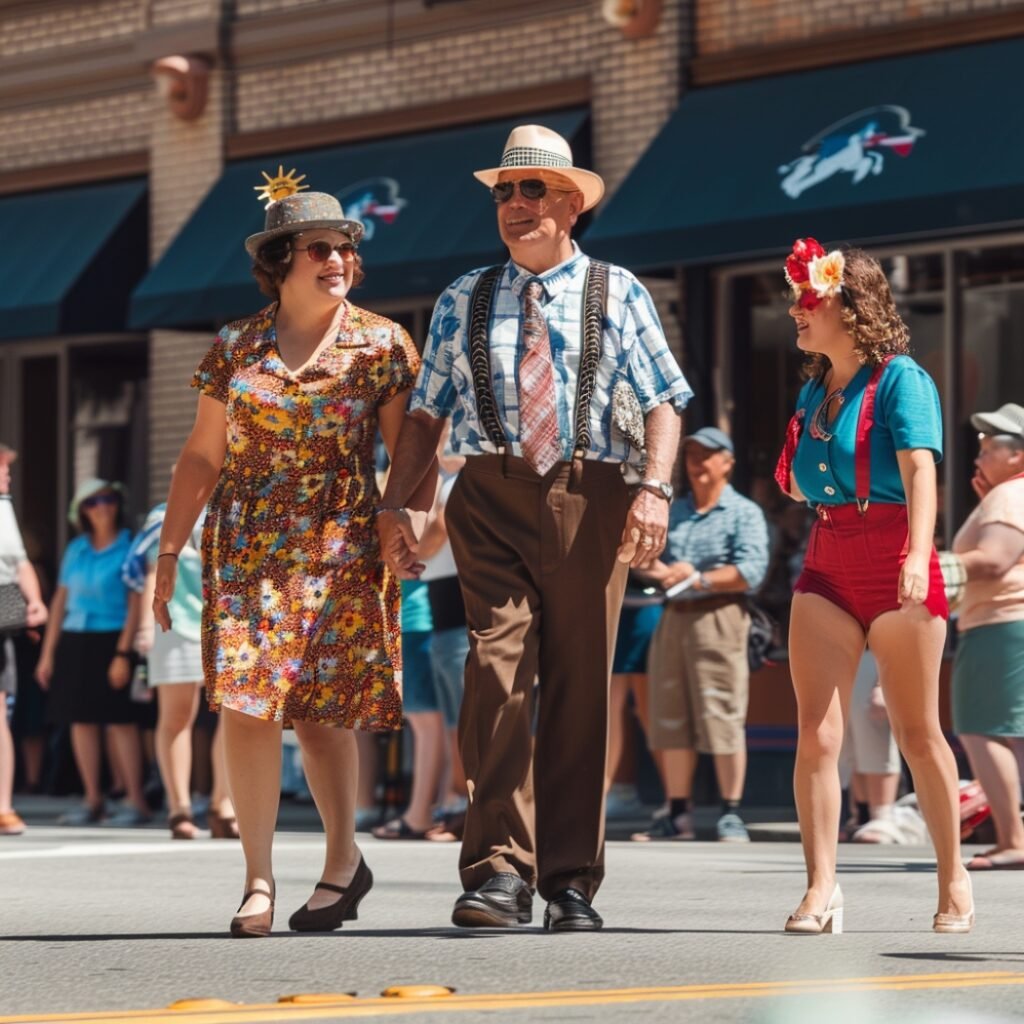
<point>856,144</point>
<point>373,201</point>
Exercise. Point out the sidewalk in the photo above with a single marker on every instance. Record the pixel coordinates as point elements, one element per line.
<point>765,824</point>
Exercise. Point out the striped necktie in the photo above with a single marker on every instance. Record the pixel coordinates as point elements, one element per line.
<point>538,413</point>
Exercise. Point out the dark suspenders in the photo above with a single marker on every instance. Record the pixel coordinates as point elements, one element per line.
<point>592,313</point>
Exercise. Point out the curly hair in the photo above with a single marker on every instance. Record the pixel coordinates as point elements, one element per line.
<point>868,313</point>
<point>274,258</point>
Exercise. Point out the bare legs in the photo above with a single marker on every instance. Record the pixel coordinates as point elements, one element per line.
<point>177,705</point>
<point>252,749</point>
<point>86,745</point>
<point>126,752</point>
<point>996,764</point>
<point>6,759</point>
<point>908,649</point>
<point>330,758</point>
<point>429,755</point>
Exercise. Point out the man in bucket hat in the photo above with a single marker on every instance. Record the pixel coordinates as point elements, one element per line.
<point>525,359</point>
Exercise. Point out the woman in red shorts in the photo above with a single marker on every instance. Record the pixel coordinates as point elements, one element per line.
<point>861,450</point>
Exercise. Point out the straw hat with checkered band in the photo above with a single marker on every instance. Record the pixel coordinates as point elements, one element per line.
<point>531,148</point>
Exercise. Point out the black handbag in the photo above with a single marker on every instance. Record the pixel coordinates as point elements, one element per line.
<point>13,609</point>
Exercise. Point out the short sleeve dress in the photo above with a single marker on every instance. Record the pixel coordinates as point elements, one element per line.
<point>301,616</point>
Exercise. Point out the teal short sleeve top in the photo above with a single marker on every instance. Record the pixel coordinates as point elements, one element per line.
<point>907,415</point>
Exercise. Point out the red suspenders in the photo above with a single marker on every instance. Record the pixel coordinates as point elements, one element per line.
<point>862,447</point>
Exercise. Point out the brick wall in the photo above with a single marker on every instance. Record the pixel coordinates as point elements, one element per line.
<point>99,126</point>
<point>635,83</point>
<point>173,12</point>
<point>173,356</point>
<point>45,26</point>
<point>723,25</point>
<point>187,159</point>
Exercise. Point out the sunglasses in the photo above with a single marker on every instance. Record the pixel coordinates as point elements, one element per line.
<point>99,499</point>
<point>529,188</point>
<point>320,251</point>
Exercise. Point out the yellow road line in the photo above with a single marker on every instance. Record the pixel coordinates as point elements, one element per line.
<point>343,1009</point>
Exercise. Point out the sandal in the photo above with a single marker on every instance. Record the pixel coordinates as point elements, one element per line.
<point>182,826</point>
<point>1002,860</point>
<point>222,827</point>
<point>449,829</point>
<point>397,828</point>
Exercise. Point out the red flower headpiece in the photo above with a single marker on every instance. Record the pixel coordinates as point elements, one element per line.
<point>812,273</point>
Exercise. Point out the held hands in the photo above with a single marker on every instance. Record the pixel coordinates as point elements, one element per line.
<point>913,590</point>
<point>163,590</point>
<point>643,537</point>
<point>399,533</point>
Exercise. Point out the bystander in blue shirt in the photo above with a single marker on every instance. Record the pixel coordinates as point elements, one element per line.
<point>733,532</point>
<point>97,600</point>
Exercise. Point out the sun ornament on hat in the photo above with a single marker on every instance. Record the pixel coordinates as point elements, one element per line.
<point>532,147</point>
<point>812,273</point>
<point>289,212</point>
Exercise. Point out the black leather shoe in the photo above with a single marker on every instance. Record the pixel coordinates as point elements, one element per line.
<point>570,911</point>
<point>501,902</point>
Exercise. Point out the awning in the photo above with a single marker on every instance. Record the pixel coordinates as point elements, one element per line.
<point>427,221</point>
<point>71,258</point>
<point>896,149</point>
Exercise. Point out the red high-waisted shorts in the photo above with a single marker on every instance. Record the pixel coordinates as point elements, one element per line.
<point>854,561</point>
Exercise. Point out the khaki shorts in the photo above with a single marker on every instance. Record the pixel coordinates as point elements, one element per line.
<point>699,680</point>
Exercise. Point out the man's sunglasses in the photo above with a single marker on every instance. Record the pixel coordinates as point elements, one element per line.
<point>320,251</point>
<point>529,188</point>
<point>100,499</point>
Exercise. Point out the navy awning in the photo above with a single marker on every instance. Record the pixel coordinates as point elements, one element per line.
<point>895,149</point>
<point>71,258</point>
<point>427,221</point>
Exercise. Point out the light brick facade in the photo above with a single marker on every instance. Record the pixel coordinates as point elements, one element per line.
<point>724,25</point>
<point>112,111</point>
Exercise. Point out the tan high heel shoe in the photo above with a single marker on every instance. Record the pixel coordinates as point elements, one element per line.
<point>956,924</point>
<point>253,926</point>
<point>828,922</point>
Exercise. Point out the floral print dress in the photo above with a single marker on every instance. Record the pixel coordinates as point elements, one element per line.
<point>301,617</point>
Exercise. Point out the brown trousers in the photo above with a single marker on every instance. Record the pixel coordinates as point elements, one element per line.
<point>543,590</point>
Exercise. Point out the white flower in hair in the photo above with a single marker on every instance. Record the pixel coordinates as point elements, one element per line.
<point>826,273</point>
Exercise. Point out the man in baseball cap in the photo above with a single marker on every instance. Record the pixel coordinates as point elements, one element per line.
<point>1007,420</point>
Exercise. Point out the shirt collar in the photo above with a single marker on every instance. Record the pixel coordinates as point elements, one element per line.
<point>553,281</point>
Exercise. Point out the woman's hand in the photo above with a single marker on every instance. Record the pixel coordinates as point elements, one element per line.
<point>44,671</point>
<point>35,614</point>
<point>119,672</point>
<point>913,589</point>
<point>163,589</point>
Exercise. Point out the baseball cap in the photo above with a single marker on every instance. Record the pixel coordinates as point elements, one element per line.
<point>1007,419</point>
<point>713,439</point>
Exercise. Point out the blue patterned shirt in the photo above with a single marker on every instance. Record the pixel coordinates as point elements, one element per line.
<point>734,532</point>
<point>633,349</point>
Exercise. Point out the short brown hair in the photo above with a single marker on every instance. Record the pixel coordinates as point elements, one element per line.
<point>869,314</point>
<point>274,258</point>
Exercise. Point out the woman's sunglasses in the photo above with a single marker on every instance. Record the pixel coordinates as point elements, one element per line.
<point>320,251</point>
<point>529,188</point>
<point>820,421</point>
<point>100,499</point>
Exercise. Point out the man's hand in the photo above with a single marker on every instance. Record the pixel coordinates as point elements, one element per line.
<point>669,575</point>
<point>643,537</point>
<point>398,531</point>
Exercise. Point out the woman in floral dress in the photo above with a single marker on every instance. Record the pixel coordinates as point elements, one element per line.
<point>301,616</point>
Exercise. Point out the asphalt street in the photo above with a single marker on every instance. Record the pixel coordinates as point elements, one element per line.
<point>106,924</point>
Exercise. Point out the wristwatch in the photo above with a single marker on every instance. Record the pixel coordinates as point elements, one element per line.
<point>704,582</point>
<point>658,487</point>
